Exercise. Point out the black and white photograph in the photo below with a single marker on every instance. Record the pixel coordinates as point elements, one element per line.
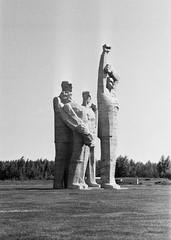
<point>85,120</point>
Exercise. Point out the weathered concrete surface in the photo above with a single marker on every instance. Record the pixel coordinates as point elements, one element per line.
<point>72,135</point>
<point>107,120</point>
<point>90,165</point>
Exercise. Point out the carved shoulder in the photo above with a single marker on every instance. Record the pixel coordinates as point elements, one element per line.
<point>57,104</point>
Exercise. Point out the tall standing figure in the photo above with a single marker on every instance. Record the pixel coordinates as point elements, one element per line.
<point>107,120</point>
<point>63,140</point>
<point>90,163</point>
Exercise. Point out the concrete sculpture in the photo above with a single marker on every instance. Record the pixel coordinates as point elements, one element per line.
<point>72,136</point>
<point>107,120</point>
<point>63,141</point>
<point>90,162</point>
<point>80,153</point>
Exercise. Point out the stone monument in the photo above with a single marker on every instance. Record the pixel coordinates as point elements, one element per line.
<point>82,139</point>
<point>90,163</point>
<point>63,141</point>
<point>71,136</point>
<point>75,132</point>
<point>107,120</point>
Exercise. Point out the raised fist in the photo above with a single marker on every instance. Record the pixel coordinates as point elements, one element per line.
<point>106,48</point>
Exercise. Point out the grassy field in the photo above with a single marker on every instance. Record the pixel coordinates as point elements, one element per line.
<point>33,210</point>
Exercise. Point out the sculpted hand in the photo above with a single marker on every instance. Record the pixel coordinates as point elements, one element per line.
<point>94,108</point>
<point>88,138</point>
<point>106,48</point>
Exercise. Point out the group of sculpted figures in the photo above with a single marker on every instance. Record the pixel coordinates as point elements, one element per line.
<point>76,128</point>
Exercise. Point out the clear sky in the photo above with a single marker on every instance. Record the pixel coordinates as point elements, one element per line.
<point>44,42</point>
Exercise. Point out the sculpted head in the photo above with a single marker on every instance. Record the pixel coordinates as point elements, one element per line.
<point>86,96</point>
<point>66,86</point>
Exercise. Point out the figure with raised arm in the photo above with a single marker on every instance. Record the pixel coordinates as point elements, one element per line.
<point>90,162</point>
<point>70,130</point>
<point>107,120</point>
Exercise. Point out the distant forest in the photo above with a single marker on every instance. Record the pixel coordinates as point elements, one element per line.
<point>22,169</point>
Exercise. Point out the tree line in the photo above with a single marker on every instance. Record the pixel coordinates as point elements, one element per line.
<point>22,169</point>
<point>130,168</point>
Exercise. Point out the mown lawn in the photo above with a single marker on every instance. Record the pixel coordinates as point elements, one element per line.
<point>33,210</point>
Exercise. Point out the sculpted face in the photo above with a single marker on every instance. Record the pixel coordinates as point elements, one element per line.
<point>86,96</point>
<point>66,97</point>
<point>110,83</point>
